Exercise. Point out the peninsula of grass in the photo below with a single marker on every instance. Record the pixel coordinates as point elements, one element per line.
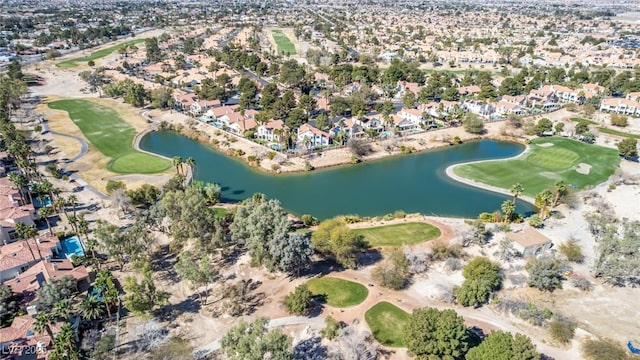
<point>96,54</point>
<point>399,234</point>
<point>387,322</point>
<point>618,133</point>
<point>548,161</point>
<point>112,136</point>
<point>337,292</point>
<point>285,46</point>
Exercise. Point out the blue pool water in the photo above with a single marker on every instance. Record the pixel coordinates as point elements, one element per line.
<point>38,204</point>
<point>71,246</point>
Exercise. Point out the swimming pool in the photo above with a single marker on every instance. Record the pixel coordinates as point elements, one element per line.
<point>70,246</point>
<point>38,204</point>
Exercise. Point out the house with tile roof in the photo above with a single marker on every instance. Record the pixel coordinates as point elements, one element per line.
<point>12,211</point>
<point>28,282</point>
<point>313,135</point>
<point>17,257</point>
<point>621,106</point>
<point>21,334</point>
<point>271,130</point>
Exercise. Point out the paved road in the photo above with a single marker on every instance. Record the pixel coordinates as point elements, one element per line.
<point>317,322</point>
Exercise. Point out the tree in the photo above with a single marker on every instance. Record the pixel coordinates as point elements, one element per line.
<point>559,128</point>
<point>269,96</point>
<point>619,120</point>
<point>334,238</point>
<point>409,100</point>
<point>14,69</point>
<point>258,223</point>
<point>500,345</point>
<point>44,213</point>
<point>588,137</point>
<point>122,246</point>
<point>436,334</point>
<point>628,148</point>
<point>291,73</point>
<point>91,308</point>
<point>25,232</point>
<point>162,98</point>
<point>142,298</point>
<point>255,342</point>
<point>559,190</point>
<point>42,324</point>
<point>544,125</point>
<point>543,200</point>
<point>105,284</point>
<point>199,273</point>
<point>482,278</point>
<point>64,345</point>
<point>473,123</point>
<point>581,128</point>
<point>291,253</point>
<point>307,103</point>
<point>508,208</point>
<point>295,118</point>
<point>135,95</point>
<point>9,305</point>
<point>154,54</point>
<point>517,189</point>
<point>510,86</point>
<point>393,272</point>
<point>298,302</point>
<point>544,273</point>
<point>598,349</point>
<point>55,291</point>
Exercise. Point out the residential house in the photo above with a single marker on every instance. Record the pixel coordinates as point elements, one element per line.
<point>182,101</point>
<point>12,211</point>
<point>21,334</point>
<point>28,282</point>
<point>315,137</point>
<point>352,127</point>
<point>468,90</point>
<point>374,123</point>
<point>529,241</point>
<point>403,124</point>
<point>479,107</point>
<point>633,96</point>
<point>504,108</point>
<point>271,131</point>
<point>403,87</point>
<point>413,115</point>
<point>518,100</point>
<point>17,257</point>
<point>198,107</point>
<point>621,106</point>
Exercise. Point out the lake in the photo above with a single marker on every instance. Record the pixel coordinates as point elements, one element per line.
<point>412,183</point>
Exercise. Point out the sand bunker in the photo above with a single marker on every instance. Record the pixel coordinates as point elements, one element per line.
<point>583,169</point>
<point>545,145</point>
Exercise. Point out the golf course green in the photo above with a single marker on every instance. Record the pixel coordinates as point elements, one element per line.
<point>387,322</point>
<point>337,292</point>
<point>112,136</point>
<point>548,160</point>
<point>96,54</point>
<point>399,234</point>
<point>285,46</point>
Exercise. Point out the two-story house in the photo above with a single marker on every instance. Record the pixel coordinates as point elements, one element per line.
<point>310,137</point>
<point>271,131</point>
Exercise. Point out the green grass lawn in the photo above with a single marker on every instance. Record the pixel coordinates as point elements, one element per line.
<point>386,322</point>
<point>618,133</point>
<point>399,234</point>
<point>219,212</point>
<point>96,54</point>
<point>583,120</point>
<point>285,46</point>
<point>339,293</point>
<point>543,166</point>
<point>112,136</point>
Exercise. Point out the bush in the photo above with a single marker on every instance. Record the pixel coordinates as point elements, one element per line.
<point>299,301</point>
<point>392,273</point>
<point>113,185</point>
<point>308,166</point>
<point>535,221</point>
<point>441,251</point>
<point>275,167</point>
<point>619,120</point>
<point>604,349</point>
<point>581,283</point>
<point>544,273</point>
<point>271,155</point>
<point>308,220</point>
<point>239,152</point>
<point>562,331</point>
<point>359,147</point>
<point>331,329</point>
<point>482,278</point>
<point>399,214</point>
<point>572,251</point>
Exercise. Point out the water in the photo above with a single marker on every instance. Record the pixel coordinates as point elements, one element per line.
<point>71,246</point>
<point>413,183</point>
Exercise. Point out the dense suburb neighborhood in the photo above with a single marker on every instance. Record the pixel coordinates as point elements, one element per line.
<point>284,180</point>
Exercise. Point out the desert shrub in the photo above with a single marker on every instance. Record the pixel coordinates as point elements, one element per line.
<point>399,214</point>
<point>298,302</point>
<point>271,155</point>
<point>308,220</point>
<point>545,273</point>
<point>581,283</point>
<point>598,349</point>
<point>275,167</point>
<point>452,264</point>
<point>113,185</point>
<point>392,273</point>
<point>359,147</point>
<point>619,120</point>
<point>572,251</point>
<point>441,251</point>
<point>562,330</point>
<point>308,166</point>
<point>331,329</point>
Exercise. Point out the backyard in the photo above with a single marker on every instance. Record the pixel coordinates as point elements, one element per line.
<point>386,322</point>
<point>112,136</point>
<point>285,46</point>
<point>548,161</point>
<point>96,54</point>
<point>337,292</point>
<point>399,234</point>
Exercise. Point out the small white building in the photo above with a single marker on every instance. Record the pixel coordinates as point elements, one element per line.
<point>529,241</point>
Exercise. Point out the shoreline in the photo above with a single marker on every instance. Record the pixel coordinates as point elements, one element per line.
<point>449,171</point>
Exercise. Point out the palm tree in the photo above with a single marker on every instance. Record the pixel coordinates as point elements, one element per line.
<point>21,230</point>
<point>91,308</point>
<point>44,213</point>
<point>516,190</point>
<point>42,323</point>
<point>65,344</point>
<point>73,221</point>
<point>19,181</point>
<point>72,200</point>
<point>61,309</point>
<point>104,283</point>
<point>177,162</point>
<point>61,205</point>
<point>543,200</point>
<point>560,189</point>
<point>46,187</point>
<point>508,208</point>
